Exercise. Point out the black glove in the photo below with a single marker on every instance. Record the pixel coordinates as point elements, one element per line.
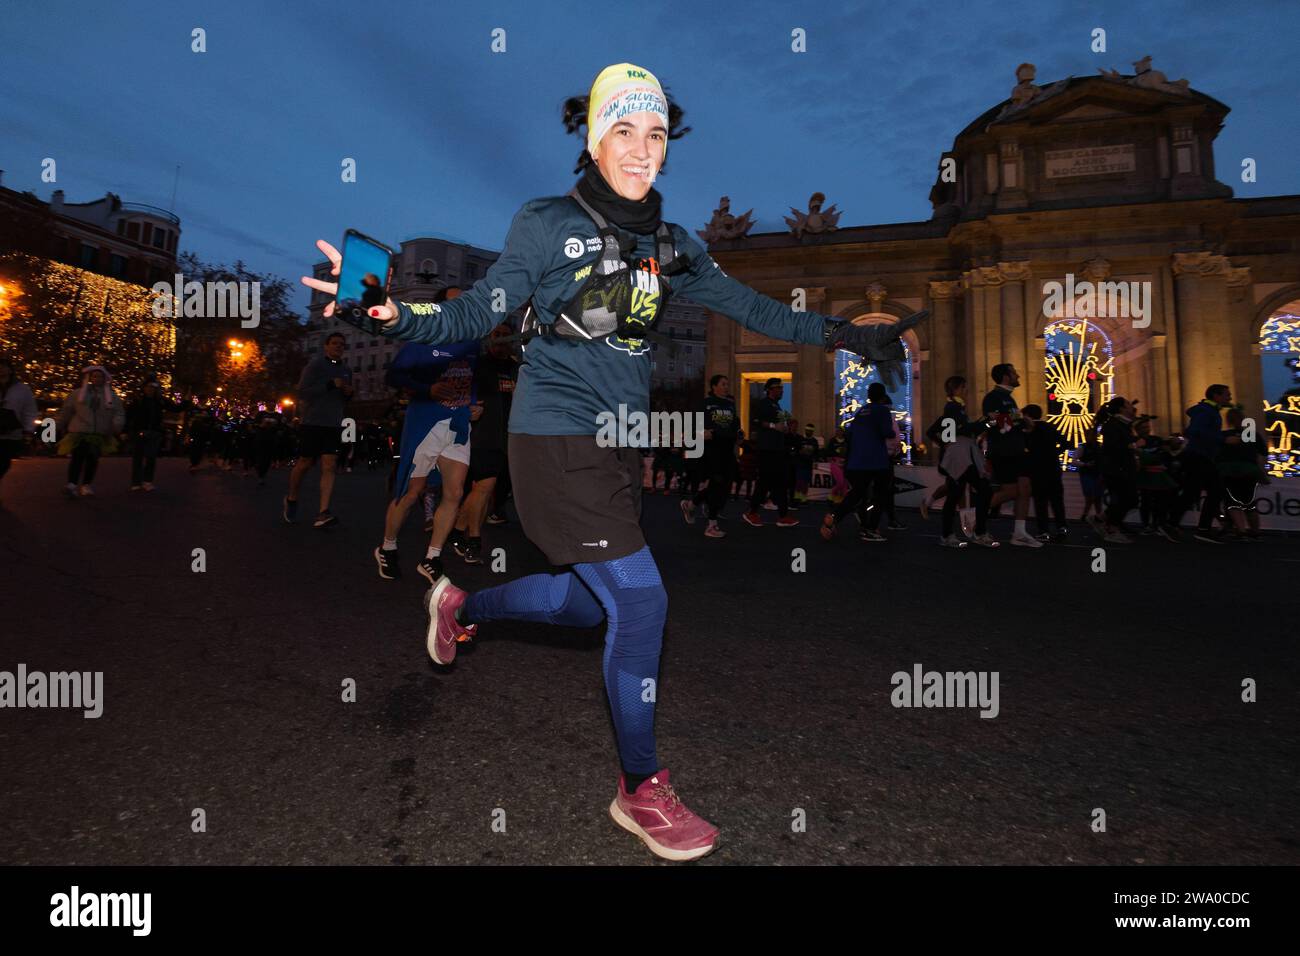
<point>879,344</point>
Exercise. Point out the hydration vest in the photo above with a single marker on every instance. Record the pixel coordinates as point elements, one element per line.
<point>627,310</point>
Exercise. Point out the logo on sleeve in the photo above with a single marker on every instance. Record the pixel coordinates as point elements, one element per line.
<point>573,246</point>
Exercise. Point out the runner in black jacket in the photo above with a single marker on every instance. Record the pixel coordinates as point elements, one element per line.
<point>773,457</point>
<point>719,464</point>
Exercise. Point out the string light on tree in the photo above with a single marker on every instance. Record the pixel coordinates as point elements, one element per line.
<point>57,319</point>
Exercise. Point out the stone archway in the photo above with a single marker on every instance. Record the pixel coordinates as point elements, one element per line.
<point>1268,305</point>
<point>851,381</point>
<point>1277,348</point>
<point>1248,385</point>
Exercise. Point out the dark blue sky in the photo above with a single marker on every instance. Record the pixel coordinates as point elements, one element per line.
<point>451,138</point>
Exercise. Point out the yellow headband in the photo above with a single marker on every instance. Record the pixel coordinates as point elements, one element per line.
<point>618,91</point>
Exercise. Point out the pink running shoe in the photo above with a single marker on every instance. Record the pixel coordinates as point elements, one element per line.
<point>441,602</point>
<point>657,815</point>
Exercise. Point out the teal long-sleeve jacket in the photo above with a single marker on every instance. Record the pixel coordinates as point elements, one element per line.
<point>565,385</point>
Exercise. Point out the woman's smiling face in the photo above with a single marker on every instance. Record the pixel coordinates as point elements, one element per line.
<point>631,152</point>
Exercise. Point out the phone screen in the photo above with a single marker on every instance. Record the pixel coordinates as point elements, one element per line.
<point>363,280</point>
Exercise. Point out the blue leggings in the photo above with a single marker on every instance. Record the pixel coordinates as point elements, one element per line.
<point>629,595</point>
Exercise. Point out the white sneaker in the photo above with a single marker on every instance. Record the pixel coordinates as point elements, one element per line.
<point>1022,540</point>
<point>148,486</point>
<point>951,542</point>
<point>70,490</point>
<point>86,491</point>
<point>986,541</point>
<point>767,505</point>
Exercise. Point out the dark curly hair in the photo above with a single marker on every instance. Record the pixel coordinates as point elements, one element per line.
<point>575,121</point>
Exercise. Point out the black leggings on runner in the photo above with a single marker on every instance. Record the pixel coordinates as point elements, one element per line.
<point>718,469</point>
<point>773,476</point>
<point>866,496</point>
<point>980,495</point>
<point>85,461</point>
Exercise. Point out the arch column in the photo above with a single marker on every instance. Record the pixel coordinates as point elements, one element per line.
<point>945,338</point>
<point>1017,342</point>
<point>1205,354</point>
<point>815,385</point>
<point>1248,378</point>
<point>983,306</point>
<point>1168,418</point>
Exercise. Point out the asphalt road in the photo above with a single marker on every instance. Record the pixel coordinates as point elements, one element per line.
<point>223,691</point>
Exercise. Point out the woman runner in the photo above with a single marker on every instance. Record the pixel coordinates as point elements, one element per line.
<point>596,287</point>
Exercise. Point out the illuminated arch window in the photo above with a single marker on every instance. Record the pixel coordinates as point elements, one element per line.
<point>1279,354</point>
<point>854,374</point>
<point>1079,373</point>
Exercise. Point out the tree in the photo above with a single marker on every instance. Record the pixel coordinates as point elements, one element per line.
<point>274,347</point>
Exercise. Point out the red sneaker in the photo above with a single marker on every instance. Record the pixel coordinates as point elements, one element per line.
<point>657,815</point>
<point>789,521</point>
<point>754,518</point>
<point>442,602</point>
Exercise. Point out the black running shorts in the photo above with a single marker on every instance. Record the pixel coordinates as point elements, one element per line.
<point>317,440</point>
<point>578,502</point>
<point>1007,470</point>
<point>486,463</point>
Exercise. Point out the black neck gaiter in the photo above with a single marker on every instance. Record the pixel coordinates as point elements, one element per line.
<point>638,217</point>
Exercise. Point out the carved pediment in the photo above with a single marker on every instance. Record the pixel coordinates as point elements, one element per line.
<point>1091,111</point>
<point>1092,98</point>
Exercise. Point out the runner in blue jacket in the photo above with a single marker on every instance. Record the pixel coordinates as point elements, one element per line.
<point>597,266</point>
<point>435,435</point>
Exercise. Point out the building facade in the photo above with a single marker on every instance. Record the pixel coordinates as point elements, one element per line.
<point>681,365</point>
<point>1080,232</point>
<point>75,284</point>
<point>132,242</point>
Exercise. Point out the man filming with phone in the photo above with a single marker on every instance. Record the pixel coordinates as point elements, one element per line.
<point>325,386</point>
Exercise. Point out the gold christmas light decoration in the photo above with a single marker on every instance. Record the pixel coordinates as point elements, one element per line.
<point>1070,375</point>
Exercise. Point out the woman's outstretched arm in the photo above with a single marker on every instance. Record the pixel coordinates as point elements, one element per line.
<point>708,285</point>
<point>508,284</point>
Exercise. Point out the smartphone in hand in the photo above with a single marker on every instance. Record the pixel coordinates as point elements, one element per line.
<point>364,277</point>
